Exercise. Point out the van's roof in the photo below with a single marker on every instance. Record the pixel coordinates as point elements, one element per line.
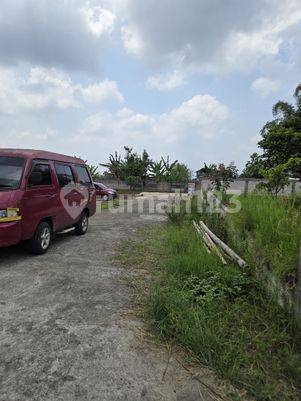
<point>40,154</point>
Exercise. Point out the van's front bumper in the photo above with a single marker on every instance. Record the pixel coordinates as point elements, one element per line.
<point>10,233</point>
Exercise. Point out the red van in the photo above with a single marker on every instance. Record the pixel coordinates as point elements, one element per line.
<point>42,193</point>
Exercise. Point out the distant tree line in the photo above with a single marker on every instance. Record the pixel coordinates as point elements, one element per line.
<point>134,169</point>
<point>280,159</point>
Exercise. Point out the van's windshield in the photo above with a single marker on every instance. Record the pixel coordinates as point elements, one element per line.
<point>11,169</point>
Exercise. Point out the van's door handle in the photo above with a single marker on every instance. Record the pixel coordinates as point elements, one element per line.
<point>52,195</point>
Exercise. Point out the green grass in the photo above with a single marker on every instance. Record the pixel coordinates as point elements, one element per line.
<point>267,231</point>
<point>221,314</point>
<point>105,205</point>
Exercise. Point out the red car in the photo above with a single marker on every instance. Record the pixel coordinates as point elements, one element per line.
<point>104,192</point>
<point>42,193</point>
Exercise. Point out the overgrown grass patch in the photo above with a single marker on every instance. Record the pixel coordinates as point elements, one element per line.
<point>221,314</point>
<point>267,231</point>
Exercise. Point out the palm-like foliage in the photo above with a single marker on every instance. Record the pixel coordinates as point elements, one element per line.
<point>162,170</point>
<point>115,165</point>
<point>168,166</point>
<point>157,170</point>
<point>134,168</point>
<point>93,170</point>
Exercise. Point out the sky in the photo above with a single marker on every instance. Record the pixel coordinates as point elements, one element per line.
<point>191,79</point>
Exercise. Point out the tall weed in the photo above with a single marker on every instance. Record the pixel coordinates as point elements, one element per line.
<point>268,231</point>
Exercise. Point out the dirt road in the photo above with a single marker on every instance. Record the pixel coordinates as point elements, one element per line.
<point>63,331</point>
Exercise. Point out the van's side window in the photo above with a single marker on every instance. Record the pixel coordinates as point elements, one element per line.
<point>64,175</point>
<point>40,175</point>
<point>83,175</point>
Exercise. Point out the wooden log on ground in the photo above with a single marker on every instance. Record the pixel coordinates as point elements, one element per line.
<point>209,244</point>
<point>199,232</point>
<point>224,246</point>
<point>213,246</point>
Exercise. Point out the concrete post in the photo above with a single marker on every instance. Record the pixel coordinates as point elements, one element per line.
<point>246,187</point>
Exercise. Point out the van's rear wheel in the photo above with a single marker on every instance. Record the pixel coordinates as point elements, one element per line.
<point>40,242</point>
<point>81,227</point>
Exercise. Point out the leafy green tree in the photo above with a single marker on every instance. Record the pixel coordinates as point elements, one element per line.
<point>204,171</point>
<point>179,173</point>
<point>221,176</point>
<point>253,167</point>
<point>135,166</point>
<point>278,177</point>
<point>281,138</point>
<point>134,169</point>
<point>279,144</point>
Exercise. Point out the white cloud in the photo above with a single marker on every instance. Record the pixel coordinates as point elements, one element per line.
<point>14,97</point>
<point>208,36</point>
<point>44,135</point>
<point>165,82</point>
<point>265,86</point>
<point>72,34</point>
<point>27,138</point>
<point>202,116</point>
<point>123,124</point>
<point>131,40</point>
<point>101,92</point>
<point>43,88</point>
<point>53,86</point>
<point>244,50</point>
<point>99,20</point>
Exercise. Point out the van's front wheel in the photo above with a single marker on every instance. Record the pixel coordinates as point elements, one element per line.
<point>40,242</point>
<point>81,227</point>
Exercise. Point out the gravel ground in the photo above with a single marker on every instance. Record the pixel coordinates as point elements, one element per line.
<point>65,331</point>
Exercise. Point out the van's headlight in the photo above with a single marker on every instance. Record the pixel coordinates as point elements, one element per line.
<point>10,214</point>
<point>3,214</point>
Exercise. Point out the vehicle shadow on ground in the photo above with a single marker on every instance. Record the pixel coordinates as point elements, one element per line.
<point>22,251</point>
<point>15,251</point>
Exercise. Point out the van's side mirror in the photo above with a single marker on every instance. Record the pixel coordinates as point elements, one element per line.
<point>35,178</point>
